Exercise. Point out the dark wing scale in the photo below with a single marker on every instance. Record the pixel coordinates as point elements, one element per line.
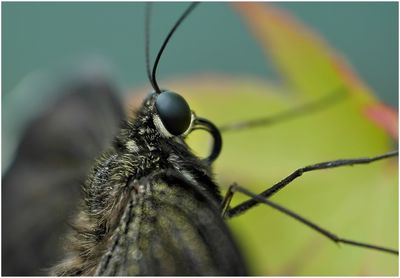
<point>171,228</point>
<point>41,188</point>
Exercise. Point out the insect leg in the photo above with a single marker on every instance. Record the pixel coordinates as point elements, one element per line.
<point>278,186</point>
<point>326,233</point>
<point>226,201</point>
<point>293,113</point>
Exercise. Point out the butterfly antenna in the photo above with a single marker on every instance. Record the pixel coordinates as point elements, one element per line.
<point>178,22</point>
<point>147,41</point>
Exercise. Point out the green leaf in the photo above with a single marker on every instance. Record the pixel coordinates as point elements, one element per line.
<point>358,202</point>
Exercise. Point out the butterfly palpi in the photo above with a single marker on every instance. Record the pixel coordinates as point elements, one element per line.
<point>152,207</point>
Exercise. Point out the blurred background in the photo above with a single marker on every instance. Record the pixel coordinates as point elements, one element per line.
<point>53,51</point>
<point>109,37</point>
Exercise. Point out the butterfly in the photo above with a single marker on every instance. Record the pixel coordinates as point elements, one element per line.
<point>137,187</point>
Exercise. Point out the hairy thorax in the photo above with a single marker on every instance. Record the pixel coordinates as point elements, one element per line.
<point>138,151</point>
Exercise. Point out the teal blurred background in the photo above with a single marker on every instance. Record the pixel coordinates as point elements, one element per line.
<point>46,41</point>
<point>43,35</point>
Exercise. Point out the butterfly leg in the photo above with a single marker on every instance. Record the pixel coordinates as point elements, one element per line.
<point>242,207</point>
<point>263,200</point>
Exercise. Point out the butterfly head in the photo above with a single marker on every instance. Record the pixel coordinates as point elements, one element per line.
<point>172,118</point>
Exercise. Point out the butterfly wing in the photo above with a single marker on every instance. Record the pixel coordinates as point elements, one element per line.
<point>41,188</point>
<point>169,227</point>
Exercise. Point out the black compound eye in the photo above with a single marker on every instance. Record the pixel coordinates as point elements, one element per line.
<point>174,112</point>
